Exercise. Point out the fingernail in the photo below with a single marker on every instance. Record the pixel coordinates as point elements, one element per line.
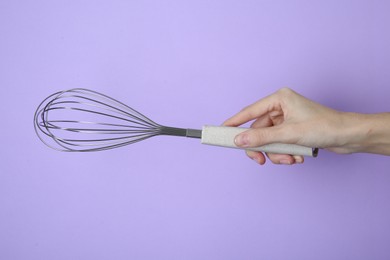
<point>242,140</point>
<point>287,162</point>
<point>298,159</point>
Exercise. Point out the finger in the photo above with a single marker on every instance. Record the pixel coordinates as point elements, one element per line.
<point>285,159</point>
<point>256,156</point>
<point>261,136</point>
<point>253,111</point>
<point>262,121</point>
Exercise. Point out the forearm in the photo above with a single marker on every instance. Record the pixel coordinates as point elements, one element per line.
<point>369,133</point>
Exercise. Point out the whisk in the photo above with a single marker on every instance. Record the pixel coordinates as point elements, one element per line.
<point>83,120</point>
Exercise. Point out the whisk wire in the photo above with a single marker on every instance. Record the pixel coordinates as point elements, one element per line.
<point>100,113</point>
<point>83,120</point>
<point>133,113</point>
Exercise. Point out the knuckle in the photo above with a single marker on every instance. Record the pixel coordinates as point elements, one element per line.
<point>285,92</point>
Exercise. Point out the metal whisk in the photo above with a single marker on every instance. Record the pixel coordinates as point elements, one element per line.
<point>82,120</point>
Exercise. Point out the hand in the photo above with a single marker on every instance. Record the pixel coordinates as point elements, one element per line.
<point>287,117</point>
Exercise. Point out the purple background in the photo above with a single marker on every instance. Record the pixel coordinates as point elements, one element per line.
<point>189,63</point>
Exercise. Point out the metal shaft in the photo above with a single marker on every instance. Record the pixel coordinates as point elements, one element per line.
<point>194,133</point>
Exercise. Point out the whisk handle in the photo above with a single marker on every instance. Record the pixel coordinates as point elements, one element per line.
<point>224,136</point>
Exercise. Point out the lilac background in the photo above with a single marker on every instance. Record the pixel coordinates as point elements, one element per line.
<point>189,63</point>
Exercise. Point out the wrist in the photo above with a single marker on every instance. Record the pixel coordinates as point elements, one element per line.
<point>369,133</point>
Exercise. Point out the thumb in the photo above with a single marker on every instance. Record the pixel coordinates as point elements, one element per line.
<point>261,136</point>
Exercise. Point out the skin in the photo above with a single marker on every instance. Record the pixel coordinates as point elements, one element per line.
<point>287,117</point>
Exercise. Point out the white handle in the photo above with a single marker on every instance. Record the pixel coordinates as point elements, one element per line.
<point>224,136</point>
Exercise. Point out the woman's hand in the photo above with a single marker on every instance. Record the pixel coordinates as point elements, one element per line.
<point>287,117</point>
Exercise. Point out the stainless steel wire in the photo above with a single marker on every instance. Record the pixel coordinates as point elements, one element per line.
<point>83,120</point>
